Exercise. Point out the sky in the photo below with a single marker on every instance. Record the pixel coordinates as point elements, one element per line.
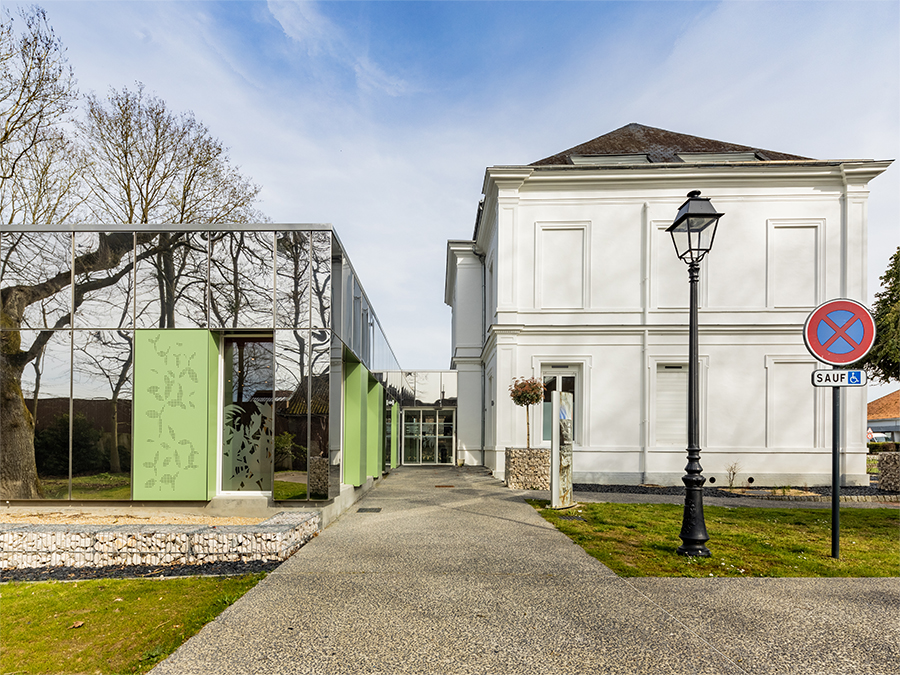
<point>381,117</point>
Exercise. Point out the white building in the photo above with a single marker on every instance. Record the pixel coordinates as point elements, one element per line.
<point>571,276</point>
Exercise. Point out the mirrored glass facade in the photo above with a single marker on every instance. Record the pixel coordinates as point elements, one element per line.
<point>172,279</point>
<point>274,320</point>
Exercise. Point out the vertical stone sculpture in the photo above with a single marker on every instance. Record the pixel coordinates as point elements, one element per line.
<point>561,465</point>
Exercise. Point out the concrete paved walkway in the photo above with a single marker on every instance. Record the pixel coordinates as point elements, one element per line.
<point>470,579</point>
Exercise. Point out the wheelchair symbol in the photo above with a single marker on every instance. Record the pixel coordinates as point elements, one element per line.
<point>853,377</point>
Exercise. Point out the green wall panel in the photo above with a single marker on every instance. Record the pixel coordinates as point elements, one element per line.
<point>355,409</point>
<point>171,414</point>
<point>374,428</point>
<point>212,397</point>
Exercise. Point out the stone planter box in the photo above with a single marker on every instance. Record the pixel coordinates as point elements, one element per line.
<point>528,468</point>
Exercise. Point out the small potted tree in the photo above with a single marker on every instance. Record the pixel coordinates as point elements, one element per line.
<point>527,392</point>
<point>524,468</point>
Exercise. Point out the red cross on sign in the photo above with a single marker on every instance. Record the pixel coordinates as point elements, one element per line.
<point>839,332</point>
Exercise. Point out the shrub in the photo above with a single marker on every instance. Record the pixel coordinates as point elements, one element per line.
<point>875,448</point>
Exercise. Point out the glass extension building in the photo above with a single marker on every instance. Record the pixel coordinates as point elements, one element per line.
<point>147,364</point>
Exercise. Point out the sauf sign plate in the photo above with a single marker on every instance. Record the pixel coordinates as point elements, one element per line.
<point>839,378</point>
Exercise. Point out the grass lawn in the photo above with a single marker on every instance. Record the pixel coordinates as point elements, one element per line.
<point>639,540</point>
<point>95,486</point>
<point>107,625</point>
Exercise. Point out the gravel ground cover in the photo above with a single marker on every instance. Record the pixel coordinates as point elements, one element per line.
<point>711,491</point>
<point>137,571</point>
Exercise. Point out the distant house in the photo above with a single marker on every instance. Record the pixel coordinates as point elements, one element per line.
<point>570,276</point>
<point>884,416</point>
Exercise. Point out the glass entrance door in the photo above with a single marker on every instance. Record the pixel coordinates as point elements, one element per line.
<point>247,420</point>
<point>429,436</point>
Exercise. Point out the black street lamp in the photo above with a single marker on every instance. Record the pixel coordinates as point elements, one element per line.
<point>692,233</point>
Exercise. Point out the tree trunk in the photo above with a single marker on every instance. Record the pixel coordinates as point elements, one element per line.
<point>18,471</point>
<point>527,428</point>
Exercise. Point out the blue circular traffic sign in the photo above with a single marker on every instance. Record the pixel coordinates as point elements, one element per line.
<point>839,332</point>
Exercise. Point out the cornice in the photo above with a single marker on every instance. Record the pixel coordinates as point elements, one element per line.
<point>856,172</point>
<point>457,250</point>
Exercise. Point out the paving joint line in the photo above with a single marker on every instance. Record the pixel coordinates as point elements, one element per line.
<point>685,626</point>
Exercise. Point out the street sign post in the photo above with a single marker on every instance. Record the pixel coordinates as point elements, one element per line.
<point>838,332</point>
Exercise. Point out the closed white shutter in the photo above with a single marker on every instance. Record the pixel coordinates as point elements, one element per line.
<point>671,405</point>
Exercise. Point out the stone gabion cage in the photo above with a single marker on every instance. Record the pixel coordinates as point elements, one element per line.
<point>889,471</point>
<point>528,468</point>
<point>276,539</point>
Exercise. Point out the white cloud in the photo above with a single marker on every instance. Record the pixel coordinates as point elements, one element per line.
<point>309,28</point>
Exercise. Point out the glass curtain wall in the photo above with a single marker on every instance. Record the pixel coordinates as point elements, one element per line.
<point>72,304</point>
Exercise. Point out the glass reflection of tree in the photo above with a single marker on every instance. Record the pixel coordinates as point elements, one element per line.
<point>303,297</point>
<point>176,286</point>
<point>36,268</point>
<point>109,355</point>
<point>292,291</point>
<point>239,286</point>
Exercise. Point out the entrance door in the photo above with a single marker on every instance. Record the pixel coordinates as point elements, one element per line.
<point>247,461</point>
<point>429,436</point>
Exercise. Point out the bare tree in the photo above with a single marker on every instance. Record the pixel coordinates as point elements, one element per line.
<point>152,165</point>
<point>37,88</point>
<point>47,185</point>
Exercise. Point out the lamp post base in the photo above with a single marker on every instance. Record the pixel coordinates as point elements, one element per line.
<point>693,525</point>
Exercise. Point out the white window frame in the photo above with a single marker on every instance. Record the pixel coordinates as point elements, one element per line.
<point>580,365</point>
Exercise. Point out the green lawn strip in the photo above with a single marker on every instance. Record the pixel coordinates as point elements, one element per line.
<point>95,486</point>
<point>637,540</point>
<point>129,625</point>
<point>288,490</point>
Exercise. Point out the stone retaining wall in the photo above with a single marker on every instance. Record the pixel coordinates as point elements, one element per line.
<point>101,545</point>
<point>528,469</point>
<point>889,471</point>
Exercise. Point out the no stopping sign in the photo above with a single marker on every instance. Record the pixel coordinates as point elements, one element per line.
<point>839,332</point>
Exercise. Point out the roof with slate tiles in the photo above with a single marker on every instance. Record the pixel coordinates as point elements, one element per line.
<point>659,146</point>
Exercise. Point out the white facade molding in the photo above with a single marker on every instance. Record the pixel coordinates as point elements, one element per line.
<point>795,247</point>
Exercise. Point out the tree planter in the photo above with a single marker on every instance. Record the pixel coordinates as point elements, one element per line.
<point>528,468</point>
